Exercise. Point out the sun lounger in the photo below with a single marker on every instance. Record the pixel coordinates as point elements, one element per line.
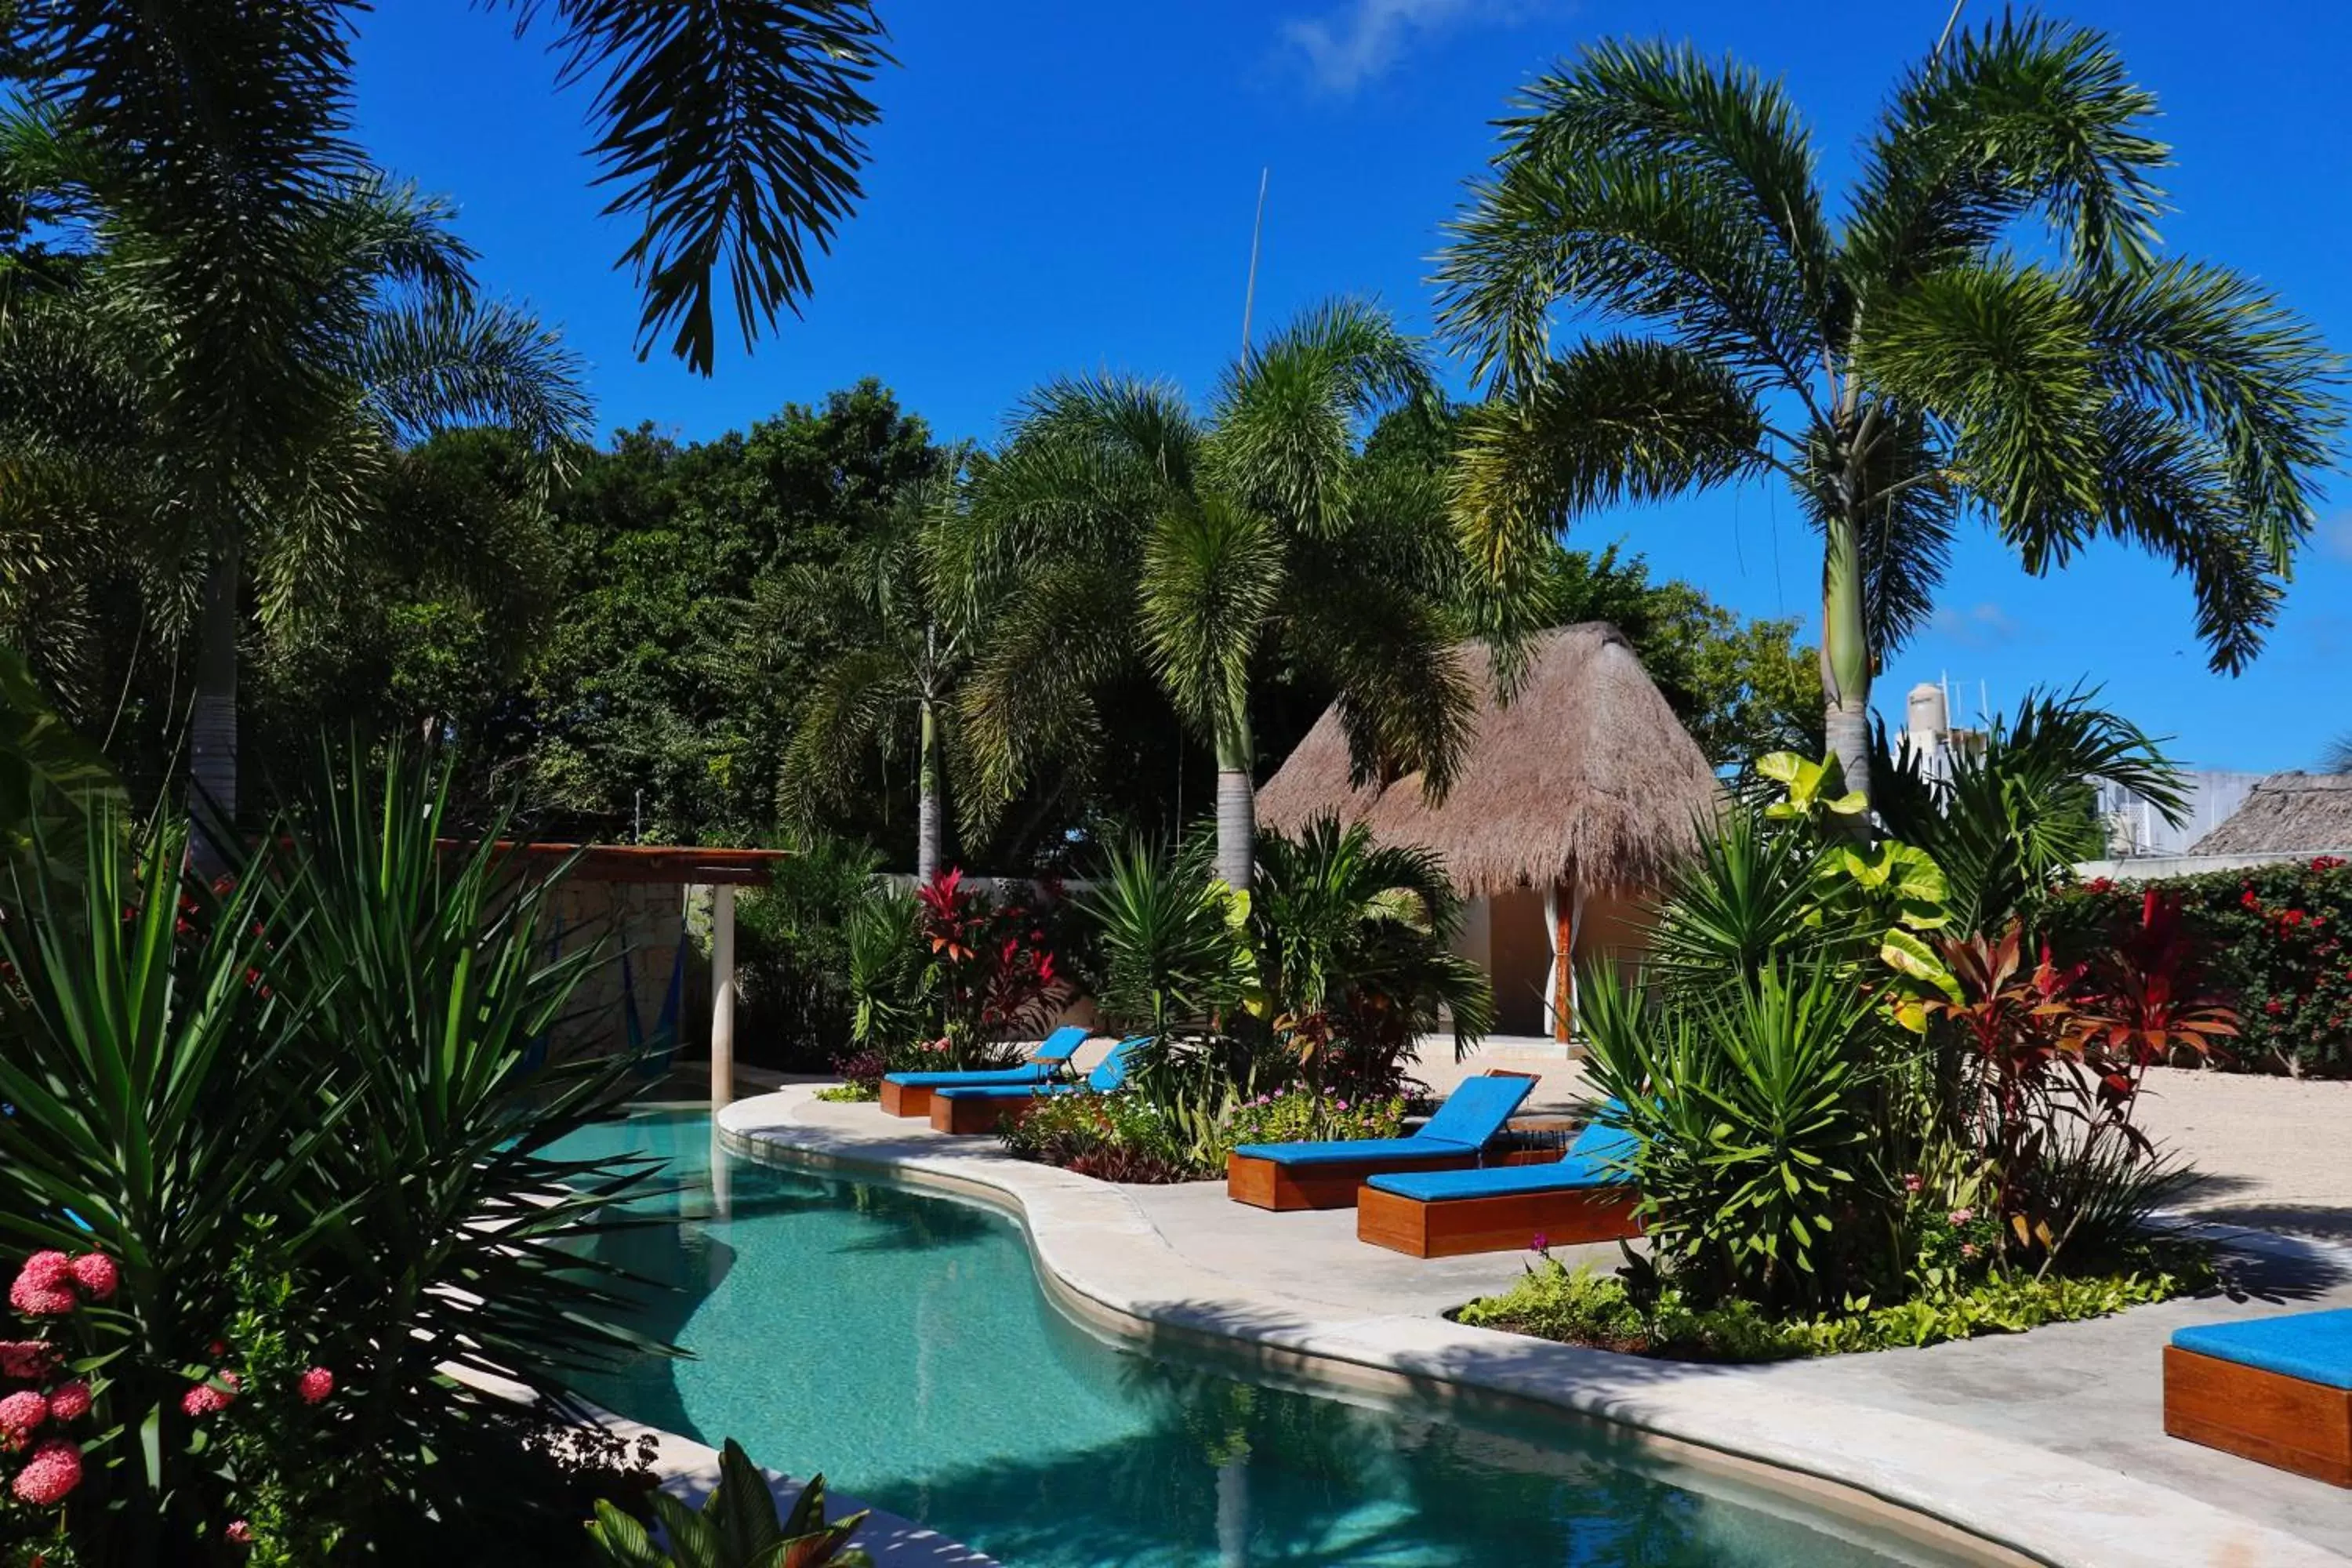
<point>909,1093</point>
<point>2275,1390</point>
<point>1584,1195</point>
<point>1326,1175</point>
<point>979,1107</point>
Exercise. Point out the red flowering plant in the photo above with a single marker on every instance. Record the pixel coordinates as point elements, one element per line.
<point>2049,1067</point>
<point>2275,941</point>
<point>994,978</point>
<point>49,1398</point>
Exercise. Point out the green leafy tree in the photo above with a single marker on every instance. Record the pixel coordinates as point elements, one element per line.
<point>1116,529</point>
<point>267,518</point>
<point>1901,368</point>
<point>678,658</point>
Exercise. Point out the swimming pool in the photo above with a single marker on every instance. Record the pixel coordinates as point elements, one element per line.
<point>900,1343</point>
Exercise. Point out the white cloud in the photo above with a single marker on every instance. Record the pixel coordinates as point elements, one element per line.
<point>1349,47</point>
<point>1980,626</point>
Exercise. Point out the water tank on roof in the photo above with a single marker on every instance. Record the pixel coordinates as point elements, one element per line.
<point>1926,717</point>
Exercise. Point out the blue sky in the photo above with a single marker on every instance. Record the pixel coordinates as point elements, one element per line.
<point>1068,186</point>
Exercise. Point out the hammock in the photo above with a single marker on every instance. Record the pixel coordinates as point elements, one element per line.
<point>652,1049</point>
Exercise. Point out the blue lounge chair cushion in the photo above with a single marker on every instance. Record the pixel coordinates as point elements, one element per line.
<point>1598,1158</point>
<point>1565,1174</point>
<point>1033,1072</point>
<point>1109,1075</point>
<point>1471,1115</point>
<point>2315,1347</point>
<point>1477,1110</point>
<point>1052,1052</point>
<point>1342,1151</point>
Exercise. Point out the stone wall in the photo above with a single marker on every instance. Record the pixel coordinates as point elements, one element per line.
<point>643,920</point>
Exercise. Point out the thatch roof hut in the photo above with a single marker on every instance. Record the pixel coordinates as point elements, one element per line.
<point>1585,778</point>
<point>2303,814</point>
<point>1575,799</point>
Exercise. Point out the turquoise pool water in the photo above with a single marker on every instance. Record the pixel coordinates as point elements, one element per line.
<point>900,1343</point>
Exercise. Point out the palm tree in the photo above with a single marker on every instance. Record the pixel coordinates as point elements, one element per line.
<point>904,647</point>
<point>213,137</point>
<point>1901,367</point>
<point>389,344</point>
<point>1116,528</point>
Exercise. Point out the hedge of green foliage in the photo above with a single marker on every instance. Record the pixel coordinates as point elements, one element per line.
<point>1577,1305</point>
<point>2275,940</point>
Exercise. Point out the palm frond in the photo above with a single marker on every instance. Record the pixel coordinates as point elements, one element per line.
<point>2026,115</point>
<point>860,696</point>
<point>733,129</point>
<point>1628,187</point>
<point>430,365</point>
<point>1289,414</point>
<point>1212,573</point>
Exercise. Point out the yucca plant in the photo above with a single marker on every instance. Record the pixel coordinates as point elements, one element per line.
<point>737,1527</point>
<point>1753,1107</point>
<point>158,1095</point>
<point>1175,951</point>
<point>443,1232</point>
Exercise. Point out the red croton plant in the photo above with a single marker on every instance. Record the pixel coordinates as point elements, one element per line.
<point>996,980</point>
<point>2052,1058</point>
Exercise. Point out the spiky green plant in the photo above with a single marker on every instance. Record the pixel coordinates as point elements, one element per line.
<point>1904,366</point>
<point>737,1527</point>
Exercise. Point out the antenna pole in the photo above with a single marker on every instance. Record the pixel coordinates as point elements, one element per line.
<point>1949,21</point>
<point>1249,294</point>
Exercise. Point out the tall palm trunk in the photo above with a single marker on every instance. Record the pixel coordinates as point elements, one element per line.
<point>212,730</point>
<point>927,800</point>
<point>1236,803</point>
<point>1845,655</point>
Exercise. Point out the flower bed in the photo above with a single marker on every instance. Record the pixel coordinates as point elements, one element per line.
<point>1577,1306</point>
<point>1126,1137</point>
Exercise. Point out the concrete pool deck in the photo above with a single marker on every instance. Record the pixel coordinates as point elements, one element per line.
<point>2047,1443</point>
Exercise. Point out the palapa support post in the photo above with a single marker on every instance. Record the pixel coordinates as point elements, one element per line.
<point>722,996</point>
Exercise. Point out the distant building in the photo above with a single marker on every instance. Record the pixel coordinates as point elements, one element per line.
<point>2287,813</point>
<point>2135,830</point>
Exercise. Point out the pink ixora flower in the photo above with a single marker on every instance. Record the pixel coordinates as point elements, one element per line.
<point>203,1400</point>
<point>25,1360</point>
<point>51,1475</point>
<point>315,1385</point>
<point>70,1401</point>
<point>239,1532</point>
<point>1540,1242</point>
<point>96,1273</point>
<point>1962,1216</point>
<point>1912,1183</point>
<point>1968,1249</point>
<point>20,1414</point>
<point>44,1286</point>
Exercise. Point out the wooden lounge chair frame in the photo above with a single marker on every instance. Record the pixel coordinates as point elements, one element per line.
<point>1333,1184</point>
<point>906,1098</point>
<point>2285,1422</point>
<point>1506,1222</point>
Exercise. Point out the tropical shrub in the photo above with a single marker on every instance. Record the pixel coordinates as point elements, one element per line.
<point>991,977</point>
<point>1174,940</point>
<point>737,1527</point>
<point>793,947</point>
<point>1756,1111</point>
<point>1111,1137</point>
<point>2270,939</point>
<point>1354,956</point>
<point>1307,1115</point>
<point>890,983</point>
<point>328,1059</point>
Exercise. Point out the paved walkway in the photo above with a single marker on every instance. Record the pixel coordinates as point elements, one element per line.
<point>2051,1441</point>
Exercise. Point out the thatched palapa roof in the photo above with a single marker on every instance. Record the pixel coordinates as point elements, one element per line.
<point>1585,776</point>
<point>2305,812</point>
